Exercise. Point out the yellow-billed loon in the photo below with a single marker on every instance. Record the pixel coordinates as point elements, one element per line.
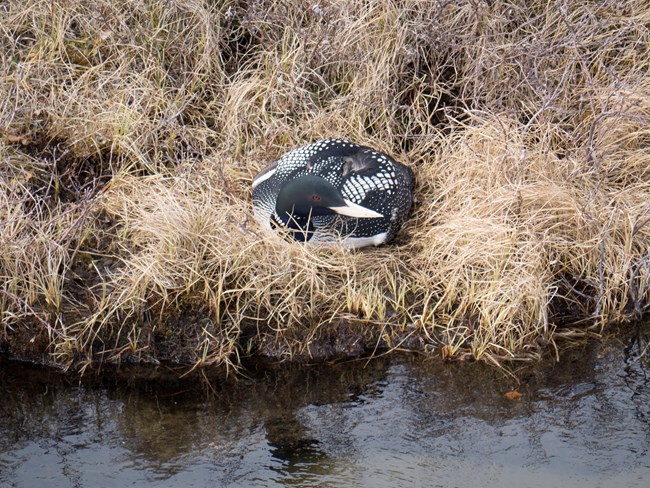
<point>334,190</point>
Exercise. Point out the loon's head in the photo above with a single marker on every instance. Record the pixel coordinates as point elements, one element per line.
<point>309,196</point>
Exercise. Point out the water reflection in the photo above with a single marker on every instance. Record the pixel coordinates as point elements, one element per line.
<point>581,422</point>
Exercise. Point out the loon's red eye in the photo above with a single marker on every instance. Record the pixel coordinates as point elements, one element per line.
<point>315,197</point>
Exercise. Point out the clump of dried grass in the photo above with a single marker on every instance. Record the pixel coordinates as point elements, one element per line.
<point>517,230</point>
<point>131,131</point>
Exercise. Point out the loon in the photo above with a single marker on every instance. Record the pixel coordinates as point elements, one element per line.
<point>334,190</point>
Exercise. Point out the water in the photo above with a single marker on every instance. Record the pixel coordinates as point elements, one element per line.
<point>397,421</point>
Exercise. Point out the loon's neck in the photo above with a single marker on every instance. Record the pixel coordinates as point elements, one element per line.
<point>300,227</point>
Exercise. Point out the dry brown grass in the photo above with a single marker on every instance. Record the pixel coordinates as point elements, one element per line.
<point>130,132</point>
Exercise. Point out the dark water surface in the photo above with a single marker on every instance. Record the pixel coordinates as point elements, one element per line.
<point>400,421</point>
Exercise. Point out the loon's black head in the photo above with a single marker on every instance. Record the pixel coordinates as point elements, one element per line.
<point>308,196</point>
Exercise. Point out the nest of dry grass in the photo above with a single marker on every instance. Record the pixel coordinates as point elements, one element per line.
<point>129,132</point>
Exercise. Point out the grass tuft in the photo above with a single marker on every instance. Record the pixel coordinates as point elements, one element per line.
<point>129,133</point>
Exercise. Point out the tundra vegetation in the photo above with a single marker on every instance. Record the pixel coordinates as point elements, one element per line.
<point>130,131</point>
